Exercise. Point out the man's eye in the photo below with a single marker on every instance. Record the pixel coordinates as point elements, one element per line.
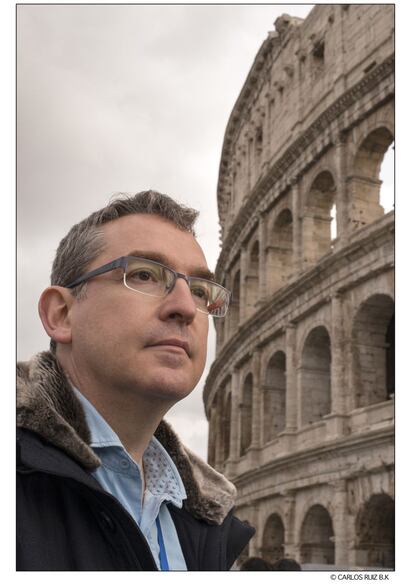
<point>199,292</point>
<point>142,275</point>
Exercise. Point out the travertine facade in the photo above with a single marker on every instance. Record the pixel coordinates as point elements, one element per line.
<point>300,399</point>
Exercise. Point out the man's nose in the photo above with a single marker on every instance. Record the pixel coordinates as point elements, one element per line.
<point>179,302</point>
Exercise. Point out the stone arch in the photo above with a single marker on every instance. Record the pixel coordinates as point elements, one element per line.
<point>234,310</point>
<point>246,414</point>
<point>315,376</point>
<point>274,397</point>
<point>364,181</point>
<point>317,218</point>
<point>279,252</point>
<point>319,322</point>
<point>373,351</point>
<point>273,539</point>
<point>252,278</point>
<point>383,118</point>
<point>375,531</point>
<point>317,537</point>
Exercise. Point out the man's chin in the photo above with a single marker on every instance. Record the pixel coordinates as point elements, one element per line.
<point>168,387</point>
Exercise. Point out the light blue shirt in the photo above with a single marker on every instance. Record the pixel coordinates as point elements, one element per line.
<point>121,476</point>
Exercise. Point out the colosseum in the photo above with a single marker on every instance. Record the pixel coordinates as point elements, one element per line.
<point>300,397</point>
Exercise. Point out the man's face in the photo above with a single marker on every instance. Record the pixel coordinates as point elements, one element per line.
<point>120,337</point>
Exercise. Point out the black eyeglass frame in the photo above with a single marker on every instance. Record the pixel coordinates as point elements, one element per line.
<point>122,262</point>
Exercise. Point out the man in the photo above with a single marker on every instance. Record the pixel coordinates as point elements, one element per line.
<point>103,482</point>
<point>256,564</point>
<point>286,565</point>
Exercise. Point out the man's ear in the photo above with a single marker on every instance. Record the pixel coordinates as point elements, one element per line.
<point>54,310</point>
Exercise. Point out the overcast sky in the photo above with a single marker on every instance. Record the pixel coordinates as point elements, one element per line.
<point>124,98</point>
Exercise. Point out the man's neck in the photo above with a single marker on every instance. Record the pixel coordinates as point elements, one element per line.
<point>132,417</point>
<point>133,421</point>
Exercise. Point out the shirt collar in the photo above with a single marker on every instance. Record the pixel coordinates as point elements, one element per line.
<point>161,475</point>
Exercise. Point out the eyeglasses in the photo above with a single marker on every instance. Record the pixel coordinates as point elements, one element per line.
<point>156,280</point>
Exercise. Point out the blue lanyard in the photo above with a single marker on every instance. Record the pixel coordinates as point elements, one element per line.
<point>163,554</point>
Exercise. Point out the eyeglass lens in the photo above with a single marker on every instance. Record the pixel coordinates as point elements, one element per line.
<point>150,278</point>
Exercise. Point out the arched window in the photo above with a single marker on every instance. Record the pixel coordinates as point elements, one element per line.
<point>373,351</point>
<point>316,537</point>
<point>375,529</point>
<point>274,397</point>
<point>279,256</point>
<point>387,180</point>
<point>318,216</point>
<point>315,376</point>
<point>390,358</point>
<point>258,145</point>
<point>365,182</point>
<point>246,415</point>
<point>273,539</point>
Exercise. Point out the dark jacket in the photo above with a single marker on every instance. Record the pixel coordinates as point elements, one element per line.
<point>66,521</point>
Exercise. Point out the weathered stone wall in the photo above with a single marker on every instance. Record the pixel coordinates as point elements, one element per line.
<point>300,398</point>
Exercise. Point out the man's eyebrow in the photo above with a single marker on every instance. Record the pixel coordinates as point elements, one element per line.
<point>202,272</point>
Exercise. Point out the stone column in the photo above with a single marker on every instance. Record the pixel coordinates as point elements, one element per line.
<point>254,543</point>
<point>289,522</point>
<point>218,458</point>
<point>250,159</point>
<point>340,84</point>
<point>291,379</point>
<point>268,98</point>
<point>297,227</point>
<point>256,411</point>
<point>212,436</point>
<point>342,204</point>
<point>262,258</point>
<point>234,419</point>
<point>340,523</point>
<point>230,180</point>
<point>243,274</point>
<point>227,319</point>
<point>338,406</point>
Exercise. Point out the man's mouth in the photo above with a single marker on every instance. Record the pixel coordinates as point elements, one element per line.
<point>173,342</point>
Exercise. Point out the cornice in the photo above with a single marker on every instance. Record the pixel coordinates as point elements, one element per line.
<point>295,157</point>
<point>364,241</point>
<point>336,448</point>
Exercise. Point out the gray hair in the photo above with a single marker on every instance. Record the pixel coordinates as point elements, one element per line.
<point>85,241</point>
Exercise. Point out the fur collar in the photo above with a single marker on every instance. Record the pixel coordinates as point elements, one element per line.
<point>47,405</point>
